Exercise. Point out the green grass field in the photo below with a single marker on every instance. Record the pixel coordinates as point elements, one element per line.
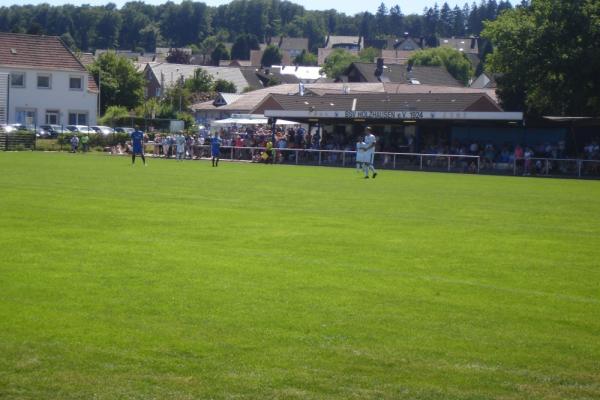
<point>182,281</point>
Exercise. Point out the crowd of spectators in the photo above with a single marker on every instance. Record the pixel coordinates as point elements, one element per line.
<point>248,141</point>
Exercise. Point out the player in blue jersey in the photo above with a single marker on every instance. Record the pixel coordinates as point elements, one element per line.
<point>137,141</point>
<point>215,150</point>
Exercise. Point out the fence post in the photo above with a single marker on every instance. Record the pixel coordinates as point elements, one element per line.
<point>394,162</point>
<point>343,158</point>
<point>449,160</point>
<point>515,167</point>
<point>579,168</point>
<point>319,156</point>
<point>547,167</point>
<point>478,164</point>
<point>421,161</point>
<point>297,157</point>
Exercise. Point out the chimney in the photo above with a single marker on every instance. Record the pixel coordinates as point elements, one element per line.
<point>301,88</point>
<point>379,67</point>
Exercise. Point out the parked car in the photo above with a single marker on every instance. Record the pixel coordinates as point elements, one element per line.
<point>80,129</point>
<point>123,129</point>
<point>51,130</point>
<point>7,128</point>
<point>104,130</point>
<point>19,127</point>
<point>42,133</point>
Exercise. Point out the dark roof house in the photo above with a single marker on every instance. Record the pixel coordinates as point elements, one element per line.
<point>379,72</point>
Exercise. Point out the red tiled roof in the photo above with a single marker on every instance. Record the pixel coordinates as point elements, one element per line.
<point>49,52</point>
<point>34,51</point>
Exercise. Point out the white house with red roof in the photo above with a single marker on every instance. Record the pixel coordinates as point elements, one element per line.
<point>48,84</point>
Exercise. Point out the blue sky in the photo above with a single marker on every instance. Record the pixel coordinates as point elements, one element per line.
<point>345,6</point>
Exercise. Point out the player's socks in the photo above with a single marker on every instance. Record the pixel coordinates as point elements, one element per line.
<point>374,175</point>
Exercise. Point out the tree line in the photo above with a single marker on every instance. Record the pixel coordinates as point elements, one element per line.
<point>143,27</point>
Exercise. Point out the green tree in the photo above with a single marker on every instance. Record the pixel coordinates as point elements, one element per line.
<point>219,53</point>
<point>223,86</point>
<point>455,62</point>
<point>369,54</point>
<point>548,56</point>
<point>381,18</point>
<point>337,63</point>
<point>271,56</point>
<point>120,83</point>
<point>114,113</point>
<point>178,56</point>
<point>396,21</point>
<point>305,58</point>
<point>202,81</point>
<point>68,41</point>
<point>108,28</point>
<point>242,46</point>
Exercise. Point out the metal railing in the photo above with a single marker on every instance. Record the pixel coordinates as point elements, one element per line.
<point>335,158</point>
<point>573,167</point>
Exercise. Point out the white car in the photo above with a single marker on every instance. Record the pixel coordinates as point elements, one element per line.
<point>121,129</point>
<point>80,129</point>
<point>7,128</point>
<point>104,130</point>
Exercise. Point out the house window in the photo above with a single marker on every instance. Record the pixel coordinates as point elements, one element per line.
<point>43,81</point>
<point>78,118</point>
<point>17,79</point>
<point>26,117</point>
<point>52,117</point>
<point>75,83</point>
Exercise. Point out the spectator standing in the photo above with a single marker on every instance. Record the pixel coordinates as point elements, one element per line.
<point>166,146</point>
<point>527,155</point>
<point>157,145</point>
<point>85,142</point>
<point>74,143</point>
<point>189,146</point>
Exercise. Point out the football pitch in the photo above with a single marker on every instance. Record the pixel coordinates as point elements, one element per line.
<point>252,281</point>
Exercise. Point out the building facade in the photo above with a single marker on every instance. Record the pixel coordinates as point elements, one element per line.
<point>47,82</point>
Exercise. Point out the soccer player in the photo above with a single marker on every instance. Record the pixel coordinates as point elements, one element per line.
<point>215,149</point>
<point>180,142</point>
<point>137,141</point>
<point>360,145</point>
<point>369,149</point>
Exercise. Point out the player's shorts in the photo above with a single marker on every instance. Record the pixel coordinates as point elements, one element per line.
<point>138,149</point>
<point>216,152</point>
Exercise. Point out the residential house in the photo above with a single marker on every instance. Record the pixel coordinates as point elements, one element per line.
<point>352,44</point>
<point>48,83</point>
<point>251,102</point>
<point>161,76</point>
<point>131,55</point>
<point>4,82</point>
<point>464,45</point>
<point>415,75</point>
<point>289,47</point>
<point>485,81</point>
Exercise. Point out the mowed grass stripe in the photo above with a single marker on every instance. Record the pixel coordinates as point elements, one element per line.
<point>180,280</point>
